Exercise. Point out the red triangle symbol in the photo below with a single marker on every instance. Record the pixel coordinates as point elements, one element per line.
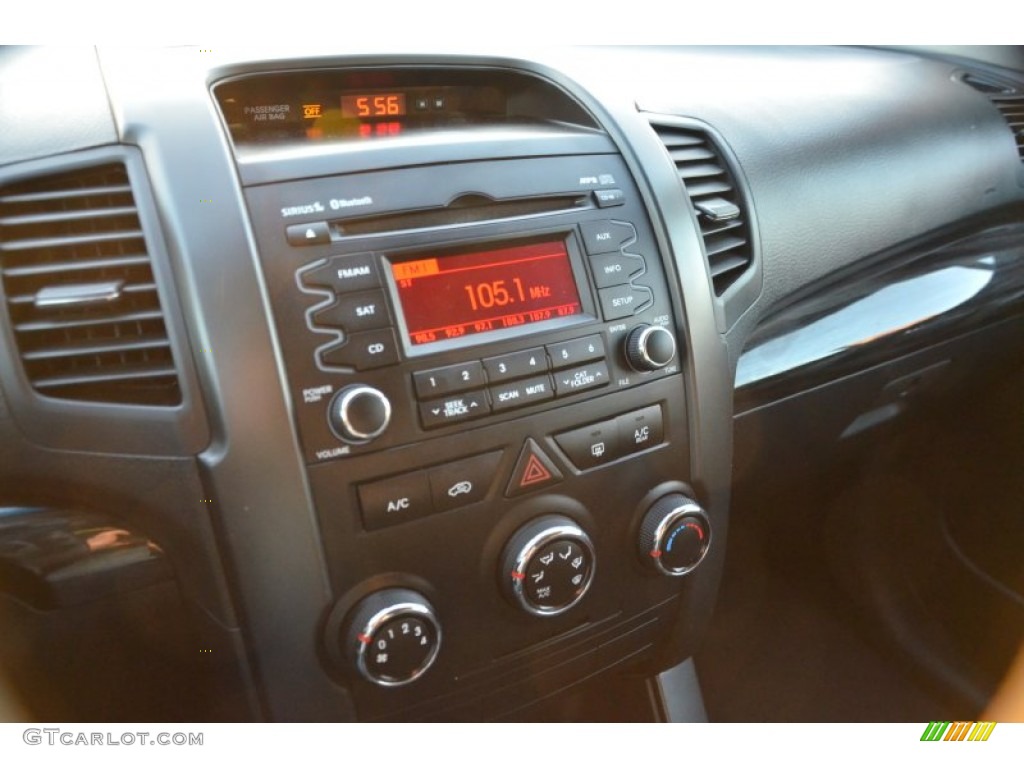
<point>535,472</point>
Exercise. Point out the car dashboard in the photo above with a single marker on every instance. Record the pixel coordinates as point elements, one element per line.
<point>432,386</point>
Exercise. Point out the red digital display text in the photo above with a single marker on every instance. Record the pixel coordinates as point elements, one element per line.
<point>450,296</point>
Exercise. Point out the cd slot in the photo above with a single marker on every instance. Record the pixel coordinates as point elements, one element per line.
<point>466,209</point>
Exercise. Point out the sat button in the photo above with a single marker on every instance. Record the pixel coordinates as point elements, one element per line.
<point>355,312</point>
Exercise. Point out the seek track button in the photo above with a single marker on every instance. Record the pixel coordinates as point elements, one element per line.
<point>451,410</point>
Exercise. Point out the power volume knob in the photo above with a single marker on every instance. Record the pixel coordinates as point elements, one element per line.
<point>392,637</point>
<point>359,413</point>
<point>650,347</point>
<point>674,535</point>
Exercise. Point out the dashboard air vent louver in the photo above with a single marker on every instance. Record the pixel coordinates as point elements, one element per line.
<point>710,184</point>
<point>1012,107</point>
<point>80,290</point>
<point>1008,100</point>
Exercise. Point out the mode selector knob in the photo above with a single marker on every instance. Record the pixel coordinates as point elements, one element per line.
<point>392,637</point>
<point>359,413</point>
<point>650,347</point>
<point>674,535</point>
<point>547,566</point>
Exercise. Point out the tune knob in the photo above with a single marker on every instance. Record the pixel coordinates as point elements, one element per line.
<point>650,347</point>
<point>547,566</point>
<point>674,535</point>
<point>392,637</point>
<point>359,413</point>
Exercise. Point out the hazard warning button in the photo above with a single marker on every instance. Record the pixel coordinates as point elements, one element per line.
<point>533,470</point>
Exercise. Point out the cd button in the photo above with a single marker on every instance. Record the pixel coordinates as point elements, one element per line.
<point>363,351</point>
<point>451,410</point>
<point>518,394</point>
<point>516,365</point>
<point>574,380</point>
<point>463,482</point>
<point>591,445</point>
<point>624,300</point>
<point>357,272</point>
<point>451,378</point>
<point>606,236</point>
<point>395,500</point>
<point>355,312</point>
<point>576,351</point>
<point>615,268</point>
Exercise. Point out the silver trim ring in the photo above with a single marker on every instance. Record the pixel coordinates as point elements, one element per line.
<point>641,346</point>
<point>537,542</point>
<point>350,433</point>
<point>378,620</point>
<point>689,508</point>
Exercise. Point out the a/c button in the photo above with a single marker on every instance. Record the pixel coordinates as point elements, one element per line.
<point>395,500</point>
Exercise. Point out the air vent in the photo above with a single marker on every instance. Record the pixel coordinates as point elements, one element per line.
<point>80,291</point>
<point>1008,100</point>
<point>1012,107</point>
<point>708,181</point>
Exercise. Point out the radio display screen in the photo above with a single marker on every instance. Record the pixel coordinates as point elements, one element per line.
<point>455,295</point>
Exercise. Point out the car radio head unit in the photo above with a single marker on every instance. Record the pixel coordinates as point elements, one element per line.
<point>483,302</point>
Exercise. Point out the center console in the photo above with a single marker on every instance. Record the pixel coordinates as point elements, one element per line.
<point>485,360</point>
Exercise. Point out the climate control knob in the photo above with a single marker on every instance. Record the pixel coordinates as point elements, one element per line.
<point>650,347</point>
<point>359,413</point>
<point>674,535</point>
<point>547,566</point>
<point>392,637</point>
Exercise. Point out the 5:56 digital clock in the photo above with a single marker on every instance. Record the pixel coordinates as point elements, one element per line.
<point>363,106</point>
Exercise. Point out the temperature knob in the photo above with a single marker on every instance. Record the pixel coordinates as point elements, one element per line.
<point>359,413</point>
<point>393,637</point>
<point>548,566</point>
<point>650,347</point>
<point>674,535</point>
